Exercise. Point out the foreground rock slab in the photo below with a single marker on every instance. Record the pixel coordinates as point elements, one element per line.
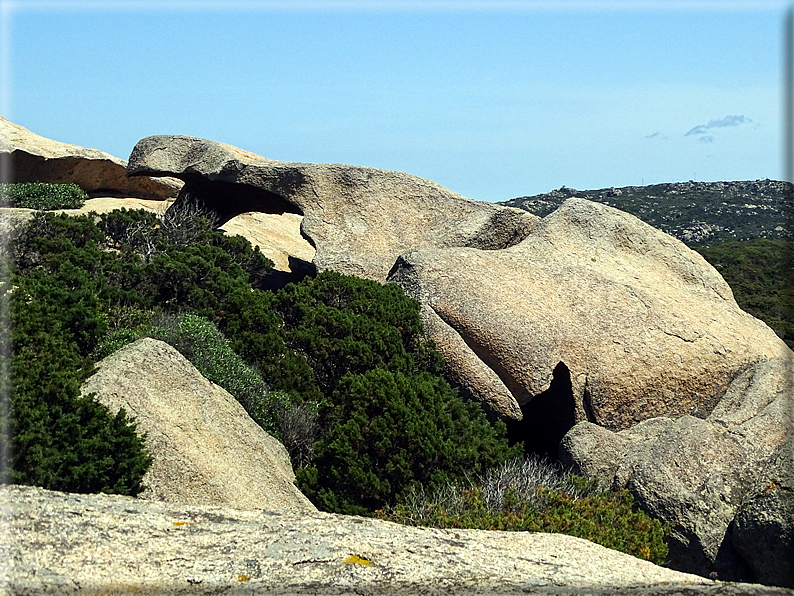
<point>33,158</point>
<point>206,448</point>
<point>59,543</point>
<point>359,219</point>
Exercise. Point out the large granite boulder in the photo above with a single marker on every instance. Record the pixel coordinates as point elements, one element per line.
<point>358,219</point>
<point>28,157</point>
<point>61,543</point>
<point>206,448</point>
<point>625,319</point>
<point>700,474</point>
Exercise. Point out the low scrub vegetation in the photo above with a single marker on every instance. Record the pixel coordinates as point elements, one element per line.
<point>536,495</point>
<point>335,366</point>
<point>42,196</point>
<point>761,275</point>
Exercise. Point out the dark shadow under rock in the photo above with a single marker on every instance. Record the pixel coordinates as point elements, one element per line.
<point>547,417</point>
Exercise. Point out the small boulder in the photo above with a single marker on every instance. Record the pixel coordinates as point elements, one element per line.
<point>206,448</point>
<point>29,157</point>
<point>358,219</point>
<point>278,237</point>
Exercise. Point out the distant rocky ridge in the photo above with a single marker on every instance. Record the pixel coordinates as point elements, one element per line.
<point>697,213</point>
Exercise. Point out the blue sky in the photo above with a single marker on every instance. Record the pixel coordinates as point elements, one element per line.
<point>493,100</point>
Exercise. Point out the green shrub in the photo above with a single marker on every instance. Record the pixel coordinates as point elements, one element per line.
<point>57,438</point>
<point>571,505</point>
<point>42,195</point>
<point>113,342</point>
<point>344,324</point>
<point>388,431</point>
<point>358,398</point>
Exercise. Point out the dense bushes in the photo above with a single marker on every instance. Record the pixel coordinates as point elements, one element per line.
<point>71,277</point>
<point>340,352</point>
<point>59,439</point>
<point>388,431</point>
<point>42,195</point>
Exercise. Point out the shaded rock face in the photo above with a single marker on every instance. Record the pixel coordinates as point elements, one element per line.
<point>633,321</point>
<point>358,219</point>
<point>109,544</point>
<point>699,475</point>
<point>206,448</point>
<point>764,526</point>
<point>28,157</point>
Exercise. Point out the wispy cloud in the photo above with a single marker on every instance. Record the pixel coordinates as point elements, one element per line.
<point>702,129</point>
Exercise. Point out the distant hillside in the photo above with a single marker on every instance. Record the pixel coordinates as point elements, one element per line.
<point>698,213</point>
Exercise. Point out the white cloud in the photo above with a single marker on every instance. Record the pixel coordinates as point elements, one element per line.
<point>701,129</point>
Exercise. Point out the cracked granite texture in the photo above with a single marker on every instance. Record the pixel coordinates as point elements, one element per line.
<point>107,544</point>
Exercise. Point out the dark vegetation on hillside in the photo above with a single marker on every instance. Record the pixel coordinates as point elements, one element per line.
<point>761,275</point>
<point>335,367</point>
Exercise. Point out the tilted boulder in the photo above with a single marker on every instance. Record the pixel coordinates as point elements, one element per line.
<point>636,324</point>
<point>59,543</point>
<point>699,474</point>
<point>359,219</point>
<point>28,157</point>
<point>206,448</point>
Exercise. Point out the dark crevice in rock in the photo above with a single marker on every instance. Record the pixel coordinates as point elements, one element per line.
<point>587,405</point>
<point>227,200</point>
<point>547,417</point>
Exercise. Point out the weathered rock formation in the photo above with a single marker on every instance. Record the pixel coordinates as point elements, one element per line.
<point>721,481</point>
<point>28,157</point>
<point>588,316</point>
<point>358,219</point>
<point>206,448</point>
<point>636,324</point>
<point>108,544</point>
